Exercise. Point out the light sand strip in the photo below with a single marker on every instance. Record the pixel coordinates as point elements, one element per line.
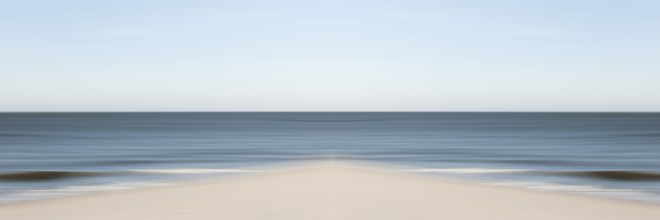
<point>331,191</point>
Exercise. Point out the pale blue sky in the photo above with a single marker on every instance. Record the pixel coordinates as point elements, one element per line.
<point>332,55</point>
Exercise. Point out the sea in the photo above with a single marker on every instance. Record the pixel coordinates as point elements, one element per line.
<point>47,155</point>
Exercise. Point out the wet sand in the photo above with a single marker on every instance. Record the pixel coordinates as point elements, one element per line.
<point>332,191</point>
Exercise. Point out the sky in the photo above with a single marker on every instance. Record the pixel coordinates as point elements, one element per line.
<point>330,55</point>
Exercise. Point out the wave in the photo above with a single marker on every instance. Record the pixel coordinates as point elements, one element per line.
<point>615,175</point>
<point>192,171</point>
<point>47,175</point>
<point>469,170</point>
<point>612,175</point>
<point>37,176</point>
<point>631,194</point>
<point>37,194</point>
<point>125,162</point>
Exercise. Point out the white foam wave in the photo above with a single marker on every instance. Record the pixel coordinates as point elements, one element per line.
<point>468,170</point>
<point>37,194</point>
<point>193,171</point>
<point>553,186</point>
<point>630,194</point>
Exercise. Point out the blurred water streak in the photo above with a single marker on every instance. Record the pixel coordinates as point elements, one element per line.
<point>54,151</point>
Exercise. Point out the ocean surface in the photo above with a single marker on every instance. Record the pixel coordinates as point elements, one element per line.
<point>43,155</point>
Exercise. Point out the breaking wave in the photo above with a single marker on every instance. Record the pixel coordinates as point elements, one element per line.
<point>612,175</point>
<point>48,175</point>
<point>40,176</point>
<point>615,175</point>
<point>469,170</point>
<point>193,171</point>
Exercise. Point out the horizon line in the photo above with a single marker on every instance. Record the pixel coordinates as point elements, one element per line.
<point>64,112</point>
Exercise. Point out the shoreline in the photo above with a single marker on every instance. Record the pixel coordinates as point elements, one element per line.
<point>331,190</point>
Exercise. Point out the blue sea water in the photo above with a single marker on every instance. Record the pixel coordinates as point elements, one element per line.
<point>54,154</point>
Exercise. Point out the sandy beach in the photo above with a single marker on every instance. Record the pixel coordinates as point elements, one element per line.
<point>331,191</point>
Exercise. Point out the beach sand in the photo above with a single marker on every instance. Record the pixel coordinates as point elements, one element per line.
<point>331,190</point>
